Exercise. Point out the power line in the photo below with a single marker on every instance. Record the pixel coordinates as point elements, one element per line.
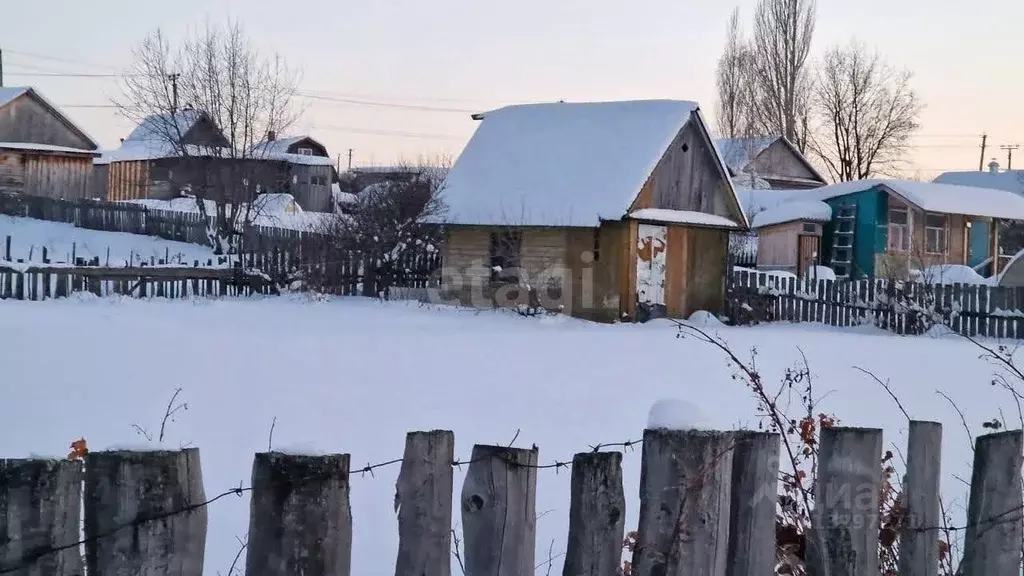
<point>61,59</point>
<point>384,104</point>
<point>383,132</point>
<point>66,75</point>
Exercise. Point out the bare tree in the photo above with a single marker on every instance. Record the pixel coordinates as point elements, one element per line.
<point>391,219</point>
<point>203,105</point>
<point>783,30</point>
<point>733,82</point>
<point>867,110</point>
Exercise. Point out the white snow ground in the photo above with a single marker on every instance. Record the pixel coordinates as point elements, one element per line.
<point>28,236</point>
<point>353,375</point>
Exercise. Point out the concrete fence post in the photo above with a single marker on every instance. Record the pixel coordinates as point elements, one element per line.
<point>597,515</point>
<point>40,507</point>
<point>755,492</point>
<point>300,521</point>
<point>994,527</point>
<point>144,513</point>
<point>685,492</point>
<point>499,512</point>
<point>919,538</point>
<point>423,501</point>
<point>843,540</point>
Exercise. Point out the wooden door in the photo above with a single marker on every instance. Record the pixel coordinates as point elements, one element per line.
<point>808,253</point>
<point>650,271</point>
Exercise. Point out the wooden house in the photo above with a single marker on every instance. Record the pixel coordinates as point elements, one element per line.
<point>306,169</point>
<point>42,152</point>
<point>772,162</point>
<point>789,236</point>
<point>890,228</point>
<point>606,211</point>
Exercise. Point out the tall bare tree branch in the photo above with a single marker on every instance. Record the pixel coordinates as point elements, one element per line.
<point>734,83</point>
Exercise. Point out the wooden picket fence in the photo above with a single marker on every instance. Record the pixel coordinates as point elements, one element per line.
<point>898,306</point>
<point>707,503</point>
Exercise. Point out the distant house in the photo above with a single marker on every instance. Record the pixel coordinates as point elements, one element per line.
<point>881,228</point>
<point>604,210</point>
<point>42,152</point>
<point>307,169</point>
<point>772,162</point>
<point>1009,180</point>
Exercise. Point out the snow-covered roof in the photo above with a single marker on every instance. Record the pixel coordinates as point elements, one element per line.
<point>561,164</point>
<point>33,147</point>
<point>8,94</point>
<point>683,217</point>
<point>738,153</point>
<point>155,149</point>
<point>342,197</point>
<point>276,203</point>
<point>793,211</point>
<point>1009,180</point>
<point>278,150</point>
<point>931,197</point>
<point>160,127</point>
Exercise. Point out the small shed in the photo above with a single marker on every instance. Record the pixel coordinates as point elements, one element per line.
<point>789,236</point>
<point>42,152</point>
<point>602,210</point>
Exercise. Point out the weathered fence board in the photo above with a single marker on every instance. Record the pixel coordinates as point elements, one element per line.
<point>145,513</point>
<point>755,489</point>
<point>300,519</point>
<point>919,541</point>
<point>499,511</point>
<point>423,501</point>
<point>39,513</point>
<point>992,544</point>
<point>897,306</point>
<point>597,515</point>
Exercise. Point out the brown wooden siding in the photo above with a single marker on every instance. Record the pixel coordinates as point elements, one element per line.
<point>57,176</point>
<point>28,120</point>
<point>677,259</point>
<point>687,177</point>
<point>898,264</point>
<point>12,173</point>
<point>128,181</point>
<point>777,246</point>
<point>780,160</point>
<point>707,251</point>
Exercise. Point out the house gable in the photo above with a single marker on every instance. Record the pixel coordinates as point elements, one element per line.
<point>690,177</point>
<point>205,133</point>
<point>307,142</point>
<point>782,161</point>
<point>29,118</point>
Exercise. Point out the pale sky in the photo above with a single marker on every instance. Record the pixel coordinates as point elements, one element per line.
<point>432,63</point>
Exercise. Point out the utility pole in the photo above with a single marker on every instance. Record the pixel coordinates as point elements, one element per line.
<point>981,161</point>
<point>350,159</point>
<point>1009,154</point>
<point>1,68</point>
<point>174,90</point>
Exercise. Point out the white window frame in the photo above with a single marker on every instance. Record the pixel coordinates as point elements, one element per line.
<point>906,230</point>
<point>305,151</point>
<point>943,231</point>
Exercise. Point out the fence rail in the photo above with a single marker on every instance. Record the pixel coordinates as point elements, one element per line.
<point>897,306</point>
<point>706,505</point>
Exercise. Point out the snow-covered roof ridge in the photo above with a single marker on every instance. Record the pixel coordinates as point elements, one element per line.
<point>792,211</point>
<point>32,146</point>
<point>158,127</point>
<point>561,164</point>
<point>930,197</point>
<point>1010,180</point>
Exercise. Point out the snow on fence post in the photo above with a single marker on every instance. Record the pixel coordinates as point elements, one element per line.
<point>755,488</point>
<point>145,513</point>
<point>300,520</point>
<point>499,512</point>
<point>423,501</point>
<point>994,526</point>
<point>843,539</point>
<point>919,546</point>
<point>40,508</point>
<point>685,490</point>
<point>597,515</point>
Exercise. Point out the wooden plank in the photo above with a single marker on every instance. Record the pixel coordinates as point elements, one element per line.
<point>423,498</point>
<point>919,546</point>
<point>597,516</point>
<point>755,478</point>
<point>994,524</point>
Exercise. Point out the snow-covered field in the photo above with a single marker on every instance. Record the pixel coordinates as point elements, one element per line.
<point>29,236</point>
<point>354,375</point>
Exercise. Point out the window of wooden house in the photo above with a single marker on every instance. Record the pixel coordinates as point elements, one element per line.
<point>305,151</point>
<point>936,233</point>
<point>317,180</point>
<point>810,227</point>
<point>504,256</point>
<point>900,229</point>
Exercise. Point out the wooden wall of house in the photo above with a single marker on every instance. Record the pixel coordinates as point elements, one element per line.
<point>57,176</point>
<point>780,160</point>
<point>27,120</point>
<point>707,250</point>
<point>12,173</point>
<point>777,246</point>
<point>128,181</point>
<point>898,264</point>
<point>311,197</point>
<point>687,178</point>
<point>98,181</point>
